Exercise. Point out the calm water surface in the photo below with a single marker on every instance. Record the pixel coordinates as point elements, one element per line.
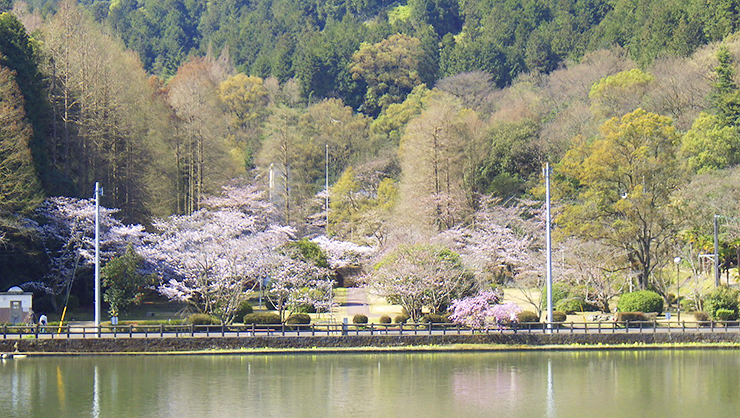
<point>531,384</point>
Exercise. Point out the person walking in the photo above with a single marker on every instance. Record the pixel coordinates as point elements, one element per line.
<point>42,322</point>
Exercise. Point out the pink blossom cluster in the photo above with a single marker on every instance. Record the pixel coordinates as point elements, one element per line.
<point>483,310</point>
<point>66,227</point>
<point>343,253</point>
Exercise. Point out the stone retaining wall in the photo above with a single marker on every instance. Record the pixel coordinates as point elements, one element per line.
<point>183,344</point>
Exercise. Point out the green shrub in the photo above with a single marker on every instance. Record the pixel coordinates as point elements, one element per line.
<point>359,319</point>
<point>573,304</point>
<point>701,317</point>
<point>725,315</point>
<point>306,308</point>
<point>245,308</point>
<point>262,318</point>
<point>560,291</point>
<point>434,319</point>
<point>528,316</point>
<point>631,316</point>
<point>401,319</point>
<point>298,318</point>
<point>202,319</point>
<point>640,301</point>
<point>721,298</point>
<point>385,319</point>
<point>558,316</point>
<point>154,322</point>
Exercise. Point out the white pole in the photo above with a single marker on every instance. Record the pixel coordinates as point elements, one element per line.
<point>549,246</point>
<point>327,190</point>
<point>97,254</point>
<point>716,251</point>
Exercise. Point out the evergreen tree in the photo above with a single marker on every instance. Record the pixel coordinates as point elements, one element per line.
<point>19,186</point>
<point>18,53</point>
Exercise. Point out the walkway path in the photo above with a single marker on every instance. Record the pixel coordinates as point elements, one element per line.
<point>357,302</point>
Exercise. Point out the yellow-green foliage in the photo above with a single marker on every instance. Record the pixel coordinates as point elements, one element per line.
<point>709,144</point>
<point>619,82</point>
<point>401,13</point>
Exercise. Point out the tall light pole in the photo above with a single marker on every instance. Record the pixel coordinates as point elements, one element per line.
<point>677,260</point>
<point>716,250</point>
<point>326,189</point>
<point>548,226</point>
<point>98,192</point>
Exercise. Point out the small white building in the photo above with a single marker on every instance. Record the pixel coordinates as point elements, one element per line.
<point>15,306</point>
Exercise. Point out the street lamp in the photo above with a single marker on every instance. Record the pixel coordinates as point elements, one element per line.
<point>677,260</point>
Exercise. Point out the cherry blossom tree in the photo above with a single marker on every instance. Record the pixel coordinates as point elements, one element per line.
<point>214,258</point>
<point>293,283</point>
<point>343,253</point>
<point>483,311</point>
<point>66,227</point>
<point>422,276</point>
<point>504,245</point>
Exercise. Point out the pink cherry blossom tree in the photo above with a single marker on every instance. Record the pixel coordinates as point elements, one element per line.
<point>213,259</point>
<point>483,311</point>
<point>504,245</point>
<point>421,276</point>
<point>343,253</point>
<point>293,283</point>
<point>66,227</point>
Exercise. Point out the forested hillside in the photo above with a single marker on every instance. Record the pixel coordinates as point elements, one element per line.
<point>430,121</point>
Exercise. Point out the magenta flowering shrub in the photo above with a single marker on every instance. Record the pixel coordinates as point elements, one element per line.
<point>483,310</point>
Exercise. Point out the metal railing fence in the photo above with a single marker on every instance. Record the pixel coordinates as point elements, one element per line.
<point>344,329</point>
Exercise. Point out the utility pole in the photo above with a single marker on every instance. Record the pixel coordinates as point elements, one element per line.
<point>98,192</point>
<point>548,226</point>
<point>716,250</point>
<point>326,190</point>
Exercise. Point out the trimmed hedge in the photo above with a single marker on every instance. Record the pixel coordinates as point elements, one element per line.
<point>385,319</point>
<point>202,319</point>
<point>574,304</point>
<point>631,316</point>
<point>401,319</point>
<point>298,318</point>
<point>702,318</point>
<point>262,318</point>
<point>558,316</point>
<point>434,319</point>
<point>528,316</point>
<point>640,301</point>
<point>359,319</point>
<point>245,308</point>
<point>725,315</point>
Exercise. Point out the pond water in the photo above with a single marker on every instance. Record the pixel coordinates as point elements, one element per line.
<point>472,384</point>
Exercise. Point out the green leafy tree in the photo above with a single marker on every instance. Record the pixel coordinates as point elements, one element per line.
<point>19,53</point>
<point>124,282</point>
<point>390,68</point>
<point>308,251</point>
<point>246,99</point>
<point>361,209</point>
<point>513,158</point>
<point>394,119</point>
<point>20,191</point>
<point>624,182</point>
<point>620,93</point>
<point>710,144</point>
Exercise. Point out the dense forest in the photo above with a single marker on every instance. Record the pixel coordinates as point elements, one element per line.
<point>424,118</point>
